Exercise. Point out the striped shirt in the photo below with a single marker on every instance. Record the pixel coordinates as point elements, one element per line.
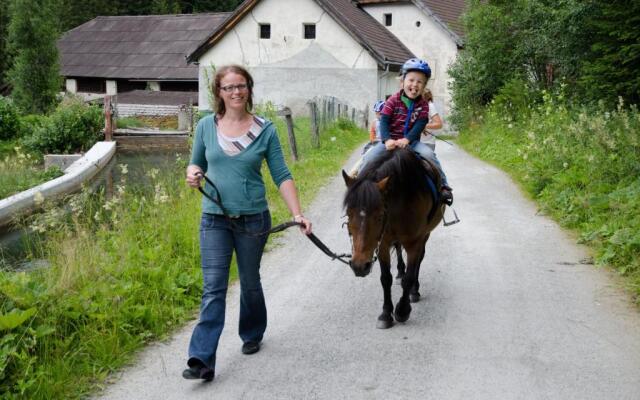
<point>234,145</point>
<point>395,108</point>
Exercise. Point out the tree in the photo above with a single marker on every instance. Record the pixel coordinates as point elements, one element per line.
<point>5,57</point>
<point>611,68</point>
<point>35,72</point>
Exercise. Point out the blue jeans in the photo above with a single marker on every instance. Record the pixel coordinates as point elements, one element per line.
<point>418,147</point>
<point>217,243</point>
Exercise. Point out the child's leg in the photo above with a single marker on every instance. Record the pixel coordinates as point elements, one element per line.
<point>425,152</point>
<point>373,153</point>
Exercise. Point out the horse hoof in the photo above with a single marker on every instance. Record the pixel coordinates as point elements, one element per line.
<point>401,318</point>
<point>381,324</point>
<point>414,297</point>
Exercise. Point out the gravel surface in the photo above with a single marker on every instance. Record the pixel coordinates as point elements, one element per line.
<point>510,309</point>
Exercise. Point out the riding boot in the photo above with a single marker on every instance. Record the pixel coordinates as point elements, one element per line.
<point>447,194</point>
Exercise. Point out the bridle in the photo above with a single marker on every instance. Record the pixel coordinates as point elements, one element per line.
<point>278,228</point>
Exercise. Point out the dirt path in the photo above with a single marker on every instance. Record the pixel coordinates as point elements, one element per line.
<point>508,312</point>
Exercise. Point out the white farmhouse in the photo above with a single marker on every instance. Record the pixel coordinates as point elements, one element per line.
<point>299,49</point>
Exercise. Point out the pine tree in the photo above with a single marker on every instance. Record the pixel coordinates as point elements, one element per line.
<point>32,38</point>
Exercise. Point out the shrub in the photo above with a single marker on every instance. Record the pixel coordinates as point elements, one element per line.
<point>9,119</point>
<point>74,126</point>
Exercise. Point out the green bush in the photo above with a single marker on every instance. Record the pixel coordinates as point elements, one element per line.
<point>73,127</point>
<point>9,119</point>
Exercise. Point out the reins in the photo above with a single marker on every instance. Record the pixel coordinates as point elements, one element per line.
<point>278,228</point>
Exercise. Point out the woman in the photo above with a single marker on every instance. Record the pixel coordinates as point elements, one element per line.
<point>229,147</point>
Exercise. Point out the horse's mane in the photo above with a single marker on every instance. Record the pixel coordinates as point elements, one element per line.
<point>407,175</point>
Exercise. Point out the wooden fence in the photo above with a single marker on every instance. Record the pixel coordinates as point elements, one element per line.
<point>323,111</point>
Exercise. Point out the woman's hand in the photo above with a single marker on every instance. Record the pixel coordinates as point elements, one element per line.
<point>194,176</point>
<point>306,227</point>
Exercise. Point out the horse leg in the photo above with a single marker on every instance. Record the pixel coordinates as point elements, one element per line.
<point>414,295</point>
<point>400,265</point>
<point>385,320</point>
<point>403,308</point>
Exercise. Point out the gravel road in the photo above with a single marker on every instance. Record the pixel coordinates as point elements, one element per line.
<point>510,309</point>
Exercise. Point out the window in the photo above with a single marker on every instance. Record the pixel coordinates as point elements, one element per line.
<point>265,31</point>
<point>387,19</point>
<point>309,31</point>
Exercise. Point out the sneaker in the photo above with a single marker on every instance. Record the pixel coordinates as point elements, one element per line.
<point>447,195</point>
<point>250,347</point>
<point>198,371</point>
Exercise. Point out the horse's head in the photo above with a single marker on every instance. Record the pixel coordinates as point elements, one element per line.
<point>366,220</point>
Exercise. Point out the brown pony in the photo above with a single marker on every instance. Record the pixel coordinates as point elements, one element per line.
<point>391,202</point>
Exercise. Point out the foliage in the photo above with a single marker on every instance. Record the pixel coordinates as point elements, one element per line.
<point>5,60</point>
<point>124,270</point>
<point>21,171</point>
<point>9,119</point>
<point>582,164</point>
<point>592,46</point>
<point>612,68</point>
<point>74,126</point>
<point>73,13</point>
<point>32,39</point>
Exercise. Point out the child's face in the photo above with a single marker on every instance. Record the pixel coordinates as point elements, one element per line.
<point>413,84</point>
<point>378,115</point>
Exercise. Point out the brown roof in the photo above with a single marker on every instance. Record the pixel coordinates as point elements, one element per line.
<point>385,47</point>
<point>447,12</point>
<point>136,47</point>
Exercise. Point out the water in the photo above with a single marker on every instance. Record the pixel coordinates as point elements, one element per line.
<point>15,243</point>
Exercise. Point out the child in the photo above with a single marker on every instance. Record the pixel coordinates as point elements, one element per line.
<point>374,137</point>
<point>374,131</point>
<point>404,117</point>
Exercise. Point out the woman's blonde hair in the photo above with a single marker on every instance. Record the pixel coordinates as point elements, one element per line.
<point>222,71</point>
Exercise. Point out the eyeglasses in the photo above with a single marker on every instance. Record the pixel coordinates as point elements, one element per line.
<point>230,88</point>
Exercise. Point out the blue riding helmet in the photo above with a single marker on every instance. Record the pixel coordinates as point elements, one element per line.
<point>378,106</point>
<point>416,64</point>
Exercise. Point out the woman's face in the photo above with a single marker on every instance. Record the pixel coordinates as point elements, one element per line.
<point>234,91</point>
<point>413,84</point>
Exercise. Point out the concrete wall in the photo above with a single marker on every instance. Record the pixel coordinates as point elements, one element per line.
<point>429,41</point>
<point>289,69</point>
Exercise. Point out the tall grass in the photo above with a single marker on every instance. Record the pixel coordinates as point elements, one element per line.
<point>124,271</point>
<point>20,171</point>
<point>581,164</point>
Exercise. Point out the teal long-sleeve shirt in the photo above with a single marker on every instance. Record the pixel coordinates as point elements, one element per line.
<point>238,178</point>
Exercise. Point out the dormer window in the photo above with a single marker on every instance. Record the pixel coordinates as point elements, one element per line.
<point>265,31</point>
<point>388,20</point>
<point>309,31</point>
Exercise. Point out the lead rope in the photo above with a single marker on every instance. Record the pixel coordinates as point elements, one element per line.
<point>279,228</point>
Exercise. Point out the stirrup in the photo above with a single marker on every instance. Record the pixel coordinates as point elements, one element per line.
<point>454,221</point>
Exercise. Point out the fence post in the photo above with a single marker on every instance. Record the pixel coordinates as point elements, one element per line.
<point>286,113</point>
<point>108,119</point>
<point>315,135</point>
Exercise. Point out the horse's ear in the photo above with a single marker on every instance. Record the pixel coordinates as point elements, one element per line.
<point>347,179</point>
<point>382,184</point>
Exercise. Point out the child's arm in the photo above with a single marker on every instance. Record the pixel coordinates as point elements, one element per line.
<point>416,130</point>
<point>385,123</point>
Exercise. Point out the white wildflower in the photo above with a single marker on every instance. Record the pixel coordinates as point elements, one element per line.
<point>38,198</point>
<point>124,169</point>
<point>333,138</point>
